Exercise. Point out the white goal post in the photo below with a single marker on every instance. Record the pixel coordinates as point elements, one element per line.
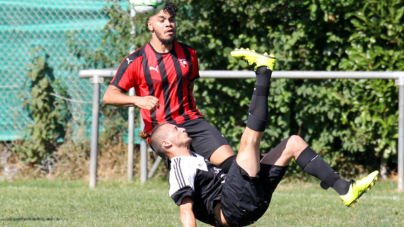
<point>97,76</point>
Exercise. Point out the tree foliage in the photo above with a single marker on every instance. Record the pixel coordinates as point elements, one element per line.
<point>349,122</point>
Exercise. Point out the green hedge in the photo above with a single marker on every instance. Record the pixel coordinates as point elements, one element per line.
<point>352,123</point>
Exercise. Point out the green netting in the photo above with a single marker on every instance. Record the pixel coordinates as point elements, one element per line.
<point>25,24</point>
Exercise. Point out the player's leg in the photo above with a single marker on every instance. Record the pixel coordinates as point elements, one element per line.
<point>283,153</point>
<point>243,197</point>
<point>223,157</point>
<point>295,147</point>
<point>248,156</point>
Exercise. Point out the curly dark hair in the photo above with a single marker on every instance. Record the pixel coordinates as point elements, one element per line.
<point>171,8</point>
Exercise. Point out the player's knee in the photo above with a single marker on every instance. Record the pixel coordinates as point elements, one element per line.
<point>296,145</point>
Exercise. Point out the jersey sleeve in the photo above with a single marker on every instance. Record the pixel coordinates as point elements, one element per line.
<point>125,77</point>
<point>195,65</point>
<point>181,179</point>
<point>180,194</point>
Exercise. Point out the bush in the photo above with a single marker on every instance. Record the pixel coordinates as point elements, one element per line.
<point>49,114</point>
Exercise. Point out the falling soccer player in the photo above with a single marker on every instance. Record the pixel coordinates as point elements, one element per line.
<point>242,196</point>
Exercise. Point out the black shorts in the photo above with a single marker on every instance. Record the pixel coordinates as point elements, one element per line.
<point>205,138</point>
<point>245,199</point>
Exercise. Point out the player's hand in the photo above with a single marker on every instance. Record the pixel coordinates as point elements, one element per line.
<point>149,103</point>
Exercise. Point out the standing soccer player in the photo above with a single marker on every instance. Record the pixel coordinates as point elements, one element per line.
<point>163,73</point>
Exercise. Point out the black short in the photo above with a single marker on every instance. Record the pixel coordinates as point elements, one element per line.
<point>205,138</point>
<point>245,199</point>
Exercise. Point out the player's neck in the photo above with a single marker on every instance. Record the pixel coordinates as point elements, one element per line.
<point>160,47</point>
<point>183,151</point>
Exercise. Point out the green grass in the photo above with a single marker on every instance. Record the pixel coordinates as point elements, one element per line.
<point>55,203</point>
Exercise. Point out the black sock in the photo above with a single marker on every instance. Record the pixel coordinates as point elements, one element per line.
<point>341,186</point>
<point>312,164</point>
<point>258,111</point>
<point>263,76</point>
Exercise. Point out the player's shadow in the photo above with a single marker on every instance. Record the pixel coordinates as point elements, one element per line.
<point>30,219</point>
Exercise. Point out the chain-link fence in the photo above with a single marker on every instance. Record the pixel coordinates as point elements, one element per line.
<point>27,24</point>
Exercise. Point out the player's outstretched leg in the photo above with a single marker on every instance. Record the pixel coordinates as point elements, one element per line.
<point>350,191</point>
<point>248,155</point>
<point>295,147</point>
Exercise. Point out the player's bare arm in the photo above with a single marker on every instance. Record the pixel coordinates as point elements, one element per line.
<point>186,214</point>
<point>115,96</point>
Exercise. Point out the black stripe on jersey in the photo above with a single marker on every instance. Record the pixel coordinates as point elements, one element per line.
<point>179,168</point>
<point>178,173</point>
<point>149,82</point>
<point>123,67</point>
<point>166,88</point>
<point>180,85</point>
<point>189,60</point>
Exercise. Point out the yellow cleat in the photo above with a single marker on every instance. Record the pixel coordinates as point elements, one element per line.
<point>356,189</point>
<point>255,59</point>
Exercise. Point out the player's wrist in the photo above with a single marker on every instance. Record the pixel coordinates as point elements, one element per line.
<point>136,100</point>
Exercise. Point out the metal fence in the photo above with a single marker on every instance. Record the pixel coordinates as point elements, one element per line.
<point>27,24</point>
<point>96,75</point>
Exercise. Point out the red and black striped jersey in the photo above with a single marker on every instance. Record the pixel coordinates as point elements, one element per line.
<point>167,77</point>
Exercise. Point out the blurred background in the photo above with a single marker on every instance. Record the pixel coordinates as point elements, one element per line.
<point>45,108</point>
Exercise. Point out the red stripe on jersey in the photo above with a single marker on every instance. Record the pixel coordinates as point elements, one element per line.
<point>173,87</point>
<point>194,73</point>
<point>154,72</point>
<point>142,89</point>
<point>190,99</point>
<point>185,71</point>
<point>181,58</point>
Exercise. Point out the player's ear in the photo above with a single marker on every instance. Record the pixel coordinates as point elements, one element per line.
<point>149,24</point>
<point>166,144</point>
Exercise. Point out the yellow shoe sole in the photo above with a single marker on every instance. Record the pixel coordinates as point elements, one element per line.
<point>254,59</point>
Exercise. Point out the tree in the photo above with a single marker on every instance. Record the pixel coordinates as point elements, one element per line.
<point>342,119</point>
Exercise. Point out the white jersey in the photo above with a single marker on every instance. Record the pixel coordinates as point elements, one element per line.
<point>196,177</point>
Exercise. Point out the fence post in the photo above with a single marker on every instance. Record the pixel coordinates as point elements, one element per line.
<point>96,80</point>
<point>131,127</point>
<point>154,167</point>
<point>143,155</point>
<point>131,113</point>
<point>400,83</point>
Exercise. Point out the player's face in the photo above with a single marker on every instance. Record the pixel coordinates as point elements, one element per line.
<point>178,136</point>
<point>163,26</point>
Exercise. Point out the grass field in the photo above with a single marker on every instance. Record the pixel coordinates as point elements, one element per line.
<point>55,203</point>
